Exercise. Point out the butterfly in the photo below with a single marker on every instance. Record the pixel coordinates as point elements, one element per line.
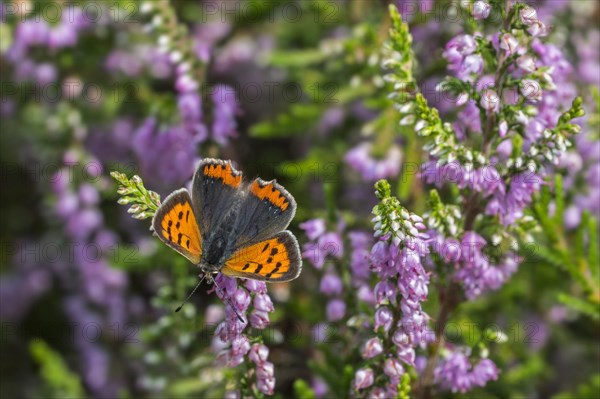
<point>230,226</point>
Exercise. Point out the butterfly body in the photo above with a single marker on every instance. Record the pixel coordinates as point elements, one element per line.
<point>232,227</point>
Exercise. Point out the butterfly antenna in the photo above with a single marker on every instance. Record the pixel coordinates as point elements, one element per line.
<point>190,295</point>
<point>228,300</point>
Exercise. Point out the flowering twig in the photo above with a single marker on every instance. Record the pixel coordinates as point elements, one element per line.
<point>144,203</point>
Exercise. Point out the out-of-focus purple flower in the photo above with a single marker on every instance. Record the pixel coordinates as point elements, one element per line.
<point>485,179</point>
<point>259,319</point>
<point>265,376</point>
<point>461,57</point>
<point>45,74</point>
<point>190,109</point>
<point>241,299</point>
<point>504,149</point>
<point>266,385</point>
<point>255,286</point>
<point>263,302</point>
<point>459,47</point>
<point>490,101</point>
<point>319,387</point>
<point>224,113</point>
<point>313,228</point>
<point>258,353</point>
<point>336,309</point>
<point>572,217</point>
<point>455,372</point>
<point>474,269</point>
<point>371,169</point>
<point>185,83</point>
<point>331,285</point>
<point>529,17</point>
<point>231,329</point>
<point>531,90</point>
<point>63,35</point>
<point>328,244</point>
<point>32,32</point>
<point>383,318</point>
<point>509,205</point>
<point>468,120</point>
<point>331,119</point>
<point>206,35</point>
<point>588,66</point>
<point>481,10</point>
<point>88,195</point>
<point>509,44</point>
<point>372,348</point>
<point>166,157</point>
<point>360,243</point>
<point>363,378</point>
<point>526,63</point>
<point>385,291</point>
<point>232,395</point>
<point>393,368</point>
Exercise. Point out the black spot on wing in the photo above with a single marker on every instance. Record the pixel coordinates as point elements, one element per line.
<point>275,270</point>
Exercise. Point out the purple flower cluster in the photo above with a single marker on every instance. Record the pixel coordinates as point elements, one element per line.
<point>185,57</point>
<point>360,246</point>
<point>456,373</point>
<point>233,346</point>
<point>22,287</point>
<point>224,113</point>
<point>166,155</point>
<point>462,59</point>
<point>98,286</point>
<point>190,109</point>
<point>372,169</point>
<point>38,31</point>
<point>484,179</point>
<point>507,201</point>
<point>474,268</point>
<point>322,244</point>
<point>403,284</point>
<point>509,204</point>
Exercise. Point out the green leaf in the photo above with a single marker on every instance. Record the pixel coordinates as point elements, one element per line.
<point>593,257</point>
<point>295,121</point>
<point>302,390</point>
<point>579,305</point>
<point>299,58</point>
<point>62,382</point>
<point>587,390</point>
<point>559,198</point>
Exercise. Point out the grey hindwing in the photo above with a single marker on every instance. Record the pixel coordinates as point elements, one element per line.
<point>259,219</point>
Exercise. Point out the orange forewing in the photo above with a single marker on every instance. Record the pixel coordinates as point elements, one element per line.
<point>268,191</point>
<point>180,230</point>
<point>224,173</point>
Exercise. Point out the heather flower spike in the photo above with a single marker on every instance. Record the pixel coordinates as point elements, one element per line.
<point>144,203</point>
<point>400,323</point>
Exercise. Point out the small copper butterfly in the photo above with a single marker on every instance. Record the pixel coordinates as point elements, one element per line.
<point>232,227</point>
